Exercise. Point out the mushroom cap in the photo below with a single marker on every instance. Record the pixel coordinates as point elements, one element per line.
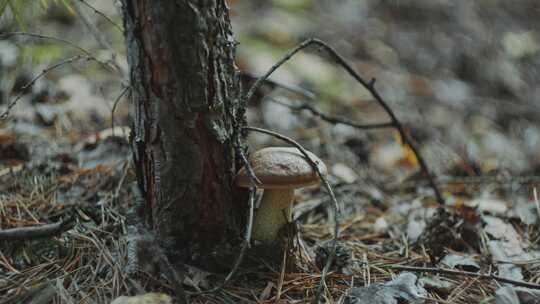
<point>281,168</point>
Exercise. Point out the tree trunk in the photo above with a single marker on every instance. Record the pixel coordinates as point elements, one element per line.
<point>184,88</point>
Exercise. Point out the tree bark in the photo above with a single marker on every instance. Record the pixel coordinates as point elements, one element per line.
<point>184,87</point>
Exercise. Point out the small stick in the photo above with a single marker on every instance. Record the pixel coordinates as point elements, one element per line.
<point>116,101</point>
<point>105,65</point>
<point>465,273</point>
<point>334,119</point>
<point>36,232</point>
<point>291,88</point>
<point>39,36</point>
<point>536,202</point>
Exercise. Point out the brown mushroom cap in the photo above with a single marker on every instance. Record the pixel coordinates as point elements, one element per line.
<point>281,168</point>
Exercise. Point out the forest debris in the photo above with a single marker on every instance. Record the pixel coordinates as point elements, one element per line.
<point>36,232</point>
<point>342,259</point>
<point>381,225</point>
<point>265,294</point>
<point>406,287</point>
<point>516,295</point>
<point>109,152</point>
<point>11,149</point>
<point>503,231</point>
<point>460,262</point>
<point>520,44</point>
<point>149,298</point>
<point>488,204</point>
<point>503,251</point>
<point>437,283</point>
<point>526,211</point>
<point>196,278</point>
<point>344,173</point>
<point>415,228</point>
<point>11,169</point>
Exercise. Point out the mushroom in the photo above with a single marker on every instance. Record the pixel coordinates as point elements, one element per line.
<point>280,170</point>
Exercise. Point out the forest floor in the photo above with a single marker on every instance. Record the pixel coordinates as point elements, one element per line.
<point>461,76</point>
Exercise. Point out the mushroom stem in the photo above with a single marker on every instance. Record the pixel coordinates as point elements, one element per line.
<point>274,212</point>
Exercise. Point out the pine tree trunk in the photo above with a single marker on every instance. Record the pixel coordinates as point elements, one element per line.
<point>181,58</point>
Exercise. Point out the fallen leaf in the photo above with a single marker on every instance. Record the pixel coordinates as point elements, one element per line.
<point>406,288</point>
<point>149,298</point>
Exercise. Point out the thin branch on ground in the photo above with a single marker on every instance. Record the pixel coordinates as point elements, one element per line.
<point>337,211</point>
<point>45,71</point>
<point>370,86</point>
<point>465,273</point>
<point>472,181</point>
<point>102,15</point>
<point>333,119</point>
<point>36,232</point>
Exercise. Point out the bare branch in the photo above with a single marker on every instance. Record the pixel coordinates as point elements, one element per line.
<point>334,119</point>
<point>36,232</point>
<point>116,101</point>
<point>40,36</point>
<point>102,15</point>
<point>466,273</point>
<point>370,86</point>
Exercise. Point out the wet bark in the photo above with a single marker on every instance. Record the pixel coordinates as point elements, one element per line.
<point>184,84</point>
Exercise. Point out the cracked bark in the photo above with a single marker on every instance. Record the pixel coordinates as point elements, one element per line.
<point>181,58</point>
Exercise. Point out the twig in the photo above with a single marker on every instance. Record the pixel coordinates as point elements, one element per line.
<point>125,171</point>
<point>469,180</point>
<point>465,273</point>
<point>273,84</point>
<point>36,232</point>
<point>64,41</point>
<point>332,118</point>
<point>98,35</point>
<point>335,204</point>
<point>370,86</point>
<point>40,36</point>
<point>536,202</point>
<point>116,101</point>
<point>36,78</point>
<point>92,27</point>
<point>102,15</point>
